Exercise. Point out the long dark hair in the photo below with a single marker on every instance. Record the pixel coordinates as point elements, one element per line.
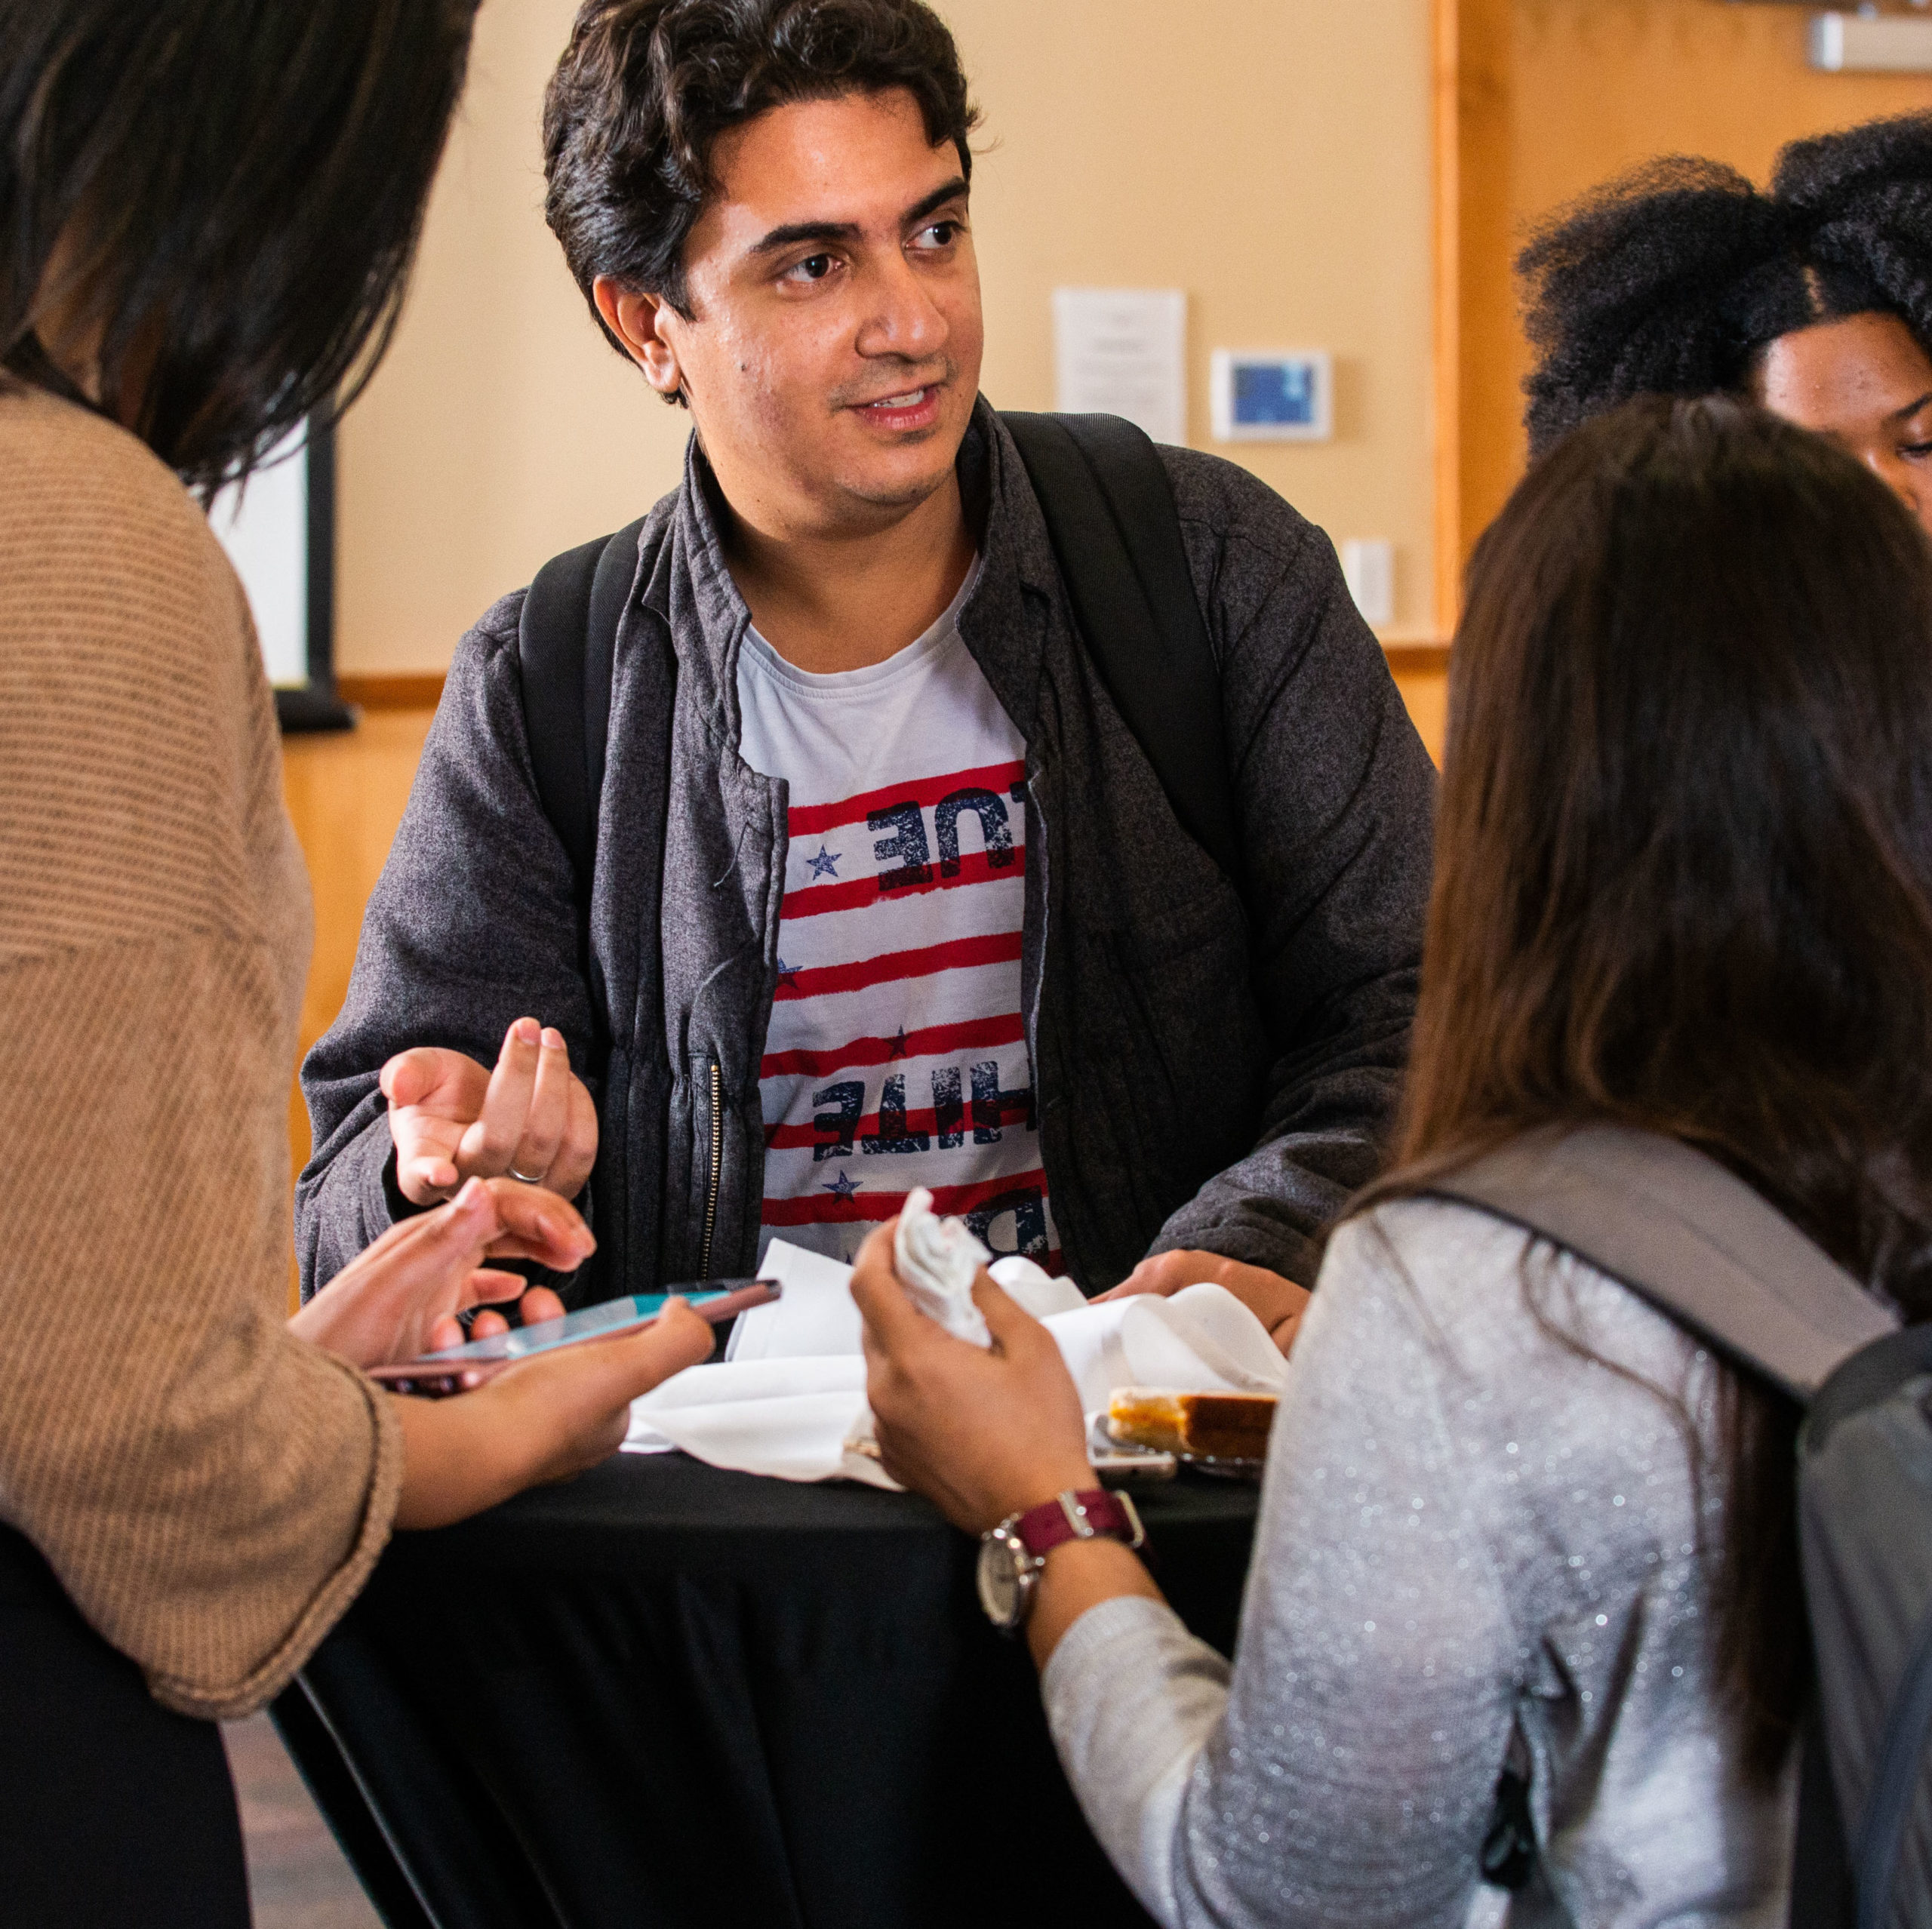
<point>1674,279</point>
<point>1684,876</point>
<point>234,191</point>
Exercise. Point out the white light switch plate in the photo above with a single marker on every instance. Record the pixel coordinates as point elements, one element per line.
<point>1368,563</point>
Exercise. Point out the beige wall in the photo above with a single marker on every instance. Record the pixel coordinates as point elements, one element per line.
<point>500,429</point>
<point>1270,156</point>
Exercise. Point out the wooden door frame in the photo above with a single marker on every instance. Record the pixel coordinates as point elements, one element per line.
<point>1474,295</point>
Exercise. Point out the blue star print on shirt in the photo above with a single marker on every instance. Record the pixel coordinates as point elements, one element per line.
<point>843,1185</point>
<point>825,864</point>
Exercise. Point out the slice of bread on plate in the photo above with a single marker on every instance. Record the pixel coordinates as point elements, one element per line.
<point>1231,1426</point>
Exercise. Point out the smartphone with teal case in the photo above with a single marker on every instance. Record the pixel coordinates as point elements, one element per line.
<point>456,1369</point>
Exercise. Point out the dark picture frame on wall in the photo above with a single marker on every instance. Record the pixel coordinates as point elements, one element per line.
<point>279,531</point>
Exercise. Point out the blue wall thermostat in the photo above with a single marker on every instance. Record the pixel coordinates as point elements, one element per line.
<point>1272,395</point>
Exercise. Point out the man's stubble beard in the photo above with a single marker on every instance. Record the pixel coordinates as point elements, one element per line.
<point>907,497</point>
<point>889,502</point>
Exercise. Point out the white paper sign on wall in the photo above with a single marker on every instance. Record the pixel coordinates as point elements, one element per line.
<point>1123,352</point>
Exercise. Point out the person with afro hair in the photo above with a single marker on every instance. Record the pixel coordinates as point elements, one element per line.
<point>1813,300</point>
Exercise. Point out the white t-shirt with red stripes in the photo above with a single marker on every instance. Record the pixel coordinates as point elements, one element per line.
<point>896,1056</point>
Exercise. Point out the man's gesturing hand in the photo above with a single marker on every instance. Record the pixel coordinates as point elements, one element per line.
<point>532,1118</point>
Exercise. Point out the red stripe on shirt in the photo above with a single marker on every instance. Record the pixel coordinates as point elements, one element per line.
<point>959,955</point>
<point>929,1041</point>
<point>808,819</point>
<point>1013,1108</point>
<point>823,1208</point>
<point>975,867</point>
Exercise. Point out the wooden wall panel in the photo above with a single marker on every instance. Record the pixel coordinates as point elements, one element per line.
<point>1423,679</point>
<point>346,793</point>
<point>1474,468</point>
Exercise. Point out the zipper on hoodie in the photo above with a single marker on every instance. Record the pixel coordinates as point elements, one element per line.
<point>717,1170</point>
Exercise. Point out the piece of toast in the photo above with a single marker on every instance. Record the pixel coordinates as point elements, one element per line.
<point>1231,1426</point>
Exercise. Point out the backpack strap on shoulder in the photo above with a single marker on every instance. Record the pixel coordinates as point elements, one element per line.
<point>567,646</point>
<point>567,643</point>
<point>1692,1239</point>
<point>1110,515</point>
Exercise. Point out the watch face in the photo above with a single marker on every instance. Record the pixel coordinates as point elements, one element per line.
<point>1001,1592</point>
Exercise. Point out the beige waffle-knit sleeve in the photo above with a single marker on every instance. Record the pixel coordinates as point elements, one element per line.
<point>211,1491</point>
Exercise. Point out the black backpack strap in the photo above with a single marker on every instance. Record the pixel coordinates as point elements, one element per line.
<point>567,646</point>
<point>1823,1895</point>
<point>1110,514</point>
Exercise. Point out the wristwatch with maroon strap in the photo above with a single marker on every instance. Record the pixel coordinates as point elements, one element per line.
<point>1012,1554</point>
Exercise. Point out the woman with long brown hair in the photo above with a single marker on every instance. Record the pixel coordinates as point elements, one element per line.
<point>1514,1519</point>
<point>208,209</point>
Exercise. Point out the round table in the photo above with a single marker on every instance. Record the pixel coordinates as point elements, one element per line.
<point>667,1694</point>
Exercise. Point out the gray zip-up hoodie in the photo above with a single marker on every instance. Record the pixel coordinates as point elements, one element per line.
<point>1206,1073</point>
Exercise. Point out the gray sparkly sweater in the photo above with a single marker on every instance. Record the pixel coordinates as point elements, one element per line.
<point>1472,1540</point>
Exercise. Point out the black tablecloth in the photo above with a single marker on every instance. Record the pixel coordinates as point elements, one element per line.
<point>666,1694</point>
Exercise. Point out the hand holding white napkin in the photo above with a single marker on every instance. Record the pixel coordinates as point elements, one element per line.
<point>937,1260</point>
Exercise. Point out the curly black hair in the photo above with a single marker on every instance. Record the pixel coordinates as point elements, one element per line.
<point>1673,279</point>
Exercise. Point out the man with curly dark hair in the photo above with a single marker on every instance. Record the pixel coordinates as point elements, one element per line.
<point>1814,299</point>
<point>886,893</point>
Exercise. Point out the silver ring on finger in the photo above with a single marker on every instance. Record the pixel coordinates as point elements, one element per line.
<point>526,1178</point>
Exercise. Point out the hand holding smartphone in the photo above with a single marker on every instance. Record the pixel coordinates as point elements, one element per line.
<point>457,1369</point>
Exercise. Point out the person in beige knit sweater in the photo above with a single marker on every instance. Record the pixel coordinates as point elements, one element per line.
<point>210,210</point>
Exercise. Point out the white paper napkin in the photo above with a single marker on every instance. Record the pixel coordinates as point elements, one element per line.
<point>787,1418</point>
<point>792,1392</point>
<point>814,1315</point>
<point>937,1259</point>
<point>1201,1330</point>
<point>1035,1289</point>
